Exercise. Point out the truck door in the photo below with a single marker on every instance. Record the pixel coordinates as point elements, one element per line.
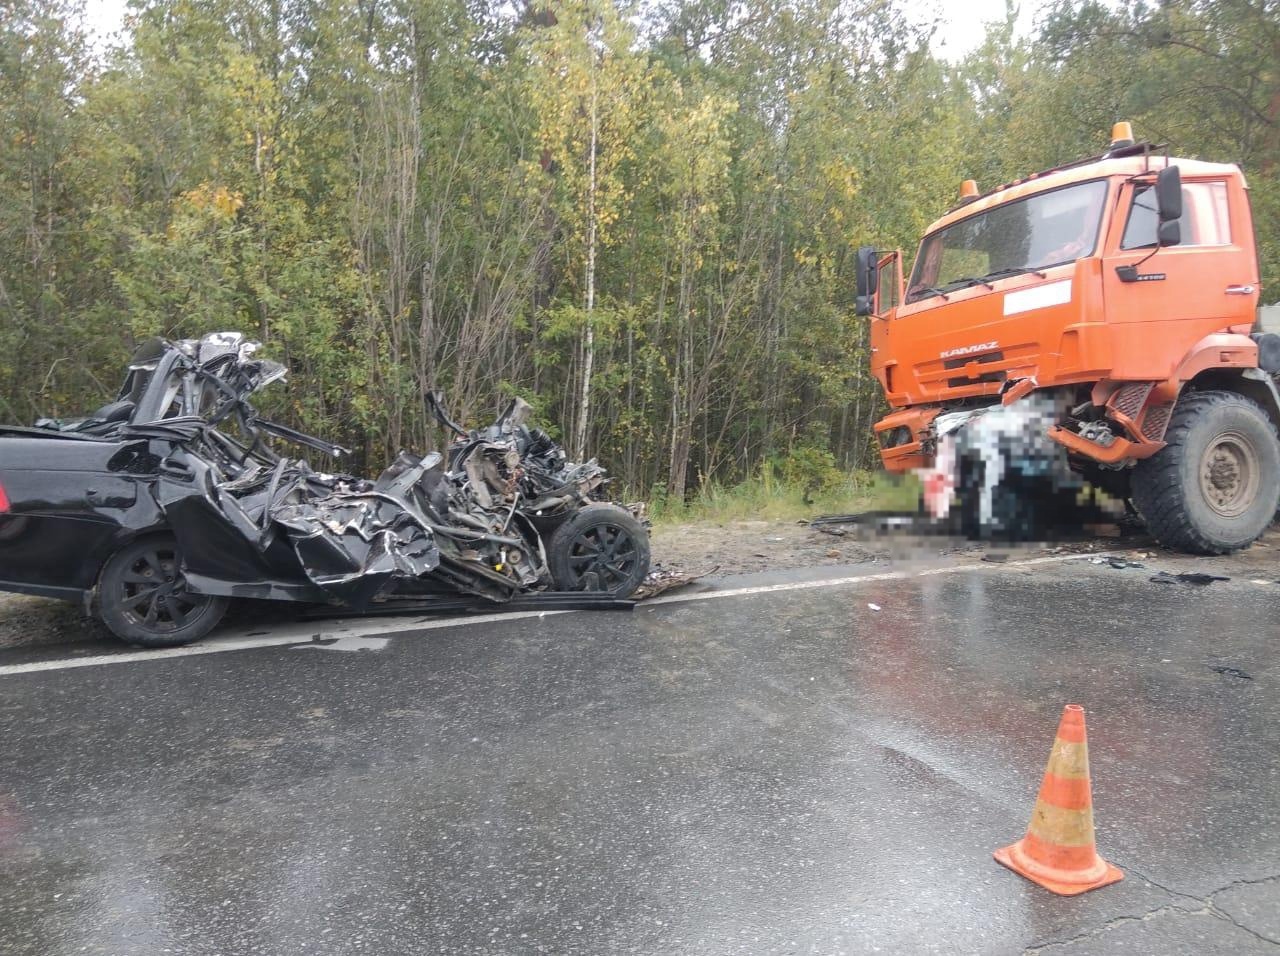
<point>1204,284</point>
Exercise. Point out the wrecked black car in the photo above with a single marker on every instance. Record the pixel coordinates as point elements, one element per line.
<point>161,506</point>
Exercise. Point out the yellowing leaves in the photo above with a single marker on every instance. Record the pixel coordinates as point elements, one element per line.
<point>842,176</point>
<point>218,201</point>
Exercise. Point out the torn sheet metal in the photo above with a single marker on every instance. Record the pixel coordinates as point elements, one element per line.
<point>492,518</point>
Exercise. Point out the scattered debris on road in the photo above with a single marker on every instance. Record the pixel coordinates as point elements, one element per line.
<point>1120,564</point>
<point>1231,672</point>
<point>1192,577</point>
<point>663,579</point>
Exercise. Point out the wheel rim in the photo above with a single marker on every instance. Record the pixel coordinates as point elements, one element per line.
<point>605,550</point>
<point>154,595</point>
<point>1229,475</point>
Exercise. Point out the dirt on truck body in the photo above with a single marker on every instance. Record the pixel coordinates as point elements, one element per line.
<point>161,506</point>
<point>1095,323</point>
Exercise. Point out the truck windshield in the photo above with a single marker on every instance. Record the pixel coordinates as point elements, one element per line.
<point>1047,229</point>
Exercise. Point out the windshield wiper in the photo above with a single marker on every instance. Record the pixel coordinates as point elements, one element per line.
<point>925,292</point>
<point>1009,273</point>
<point>986,278</point>
<point>966,281</point>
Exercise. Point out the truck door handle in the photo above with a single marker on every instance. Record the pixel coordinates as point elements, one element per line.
<point>1240,290</point>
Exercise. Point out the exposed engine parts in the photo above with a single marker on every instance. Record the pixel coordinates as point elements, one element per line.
<point>501,513</point>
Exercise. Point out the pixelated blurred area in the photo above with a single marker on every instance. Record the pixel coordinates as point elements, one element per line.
<point>995,478</point>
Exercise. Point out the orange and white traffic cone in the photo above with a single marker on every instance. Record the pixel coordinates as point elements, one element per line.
<point>1058,851</point>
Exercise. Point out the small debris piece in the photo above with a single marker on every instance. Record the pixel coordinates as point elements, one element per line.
<point>1119,564</point>
<point>995,558</point>
<point>833,553</point>
<point>322,642</point>
<point>1193,577</point>
<point>831,530</point>
<point>662,579</point>
<point>821,520</point>
<point>1231,672</point>
<point>874,607</point>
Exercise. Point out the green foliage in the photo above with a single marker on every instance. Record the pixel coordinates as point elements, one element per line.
<point>769,496</point>
<point>810,467</point>
<point>561,201</point>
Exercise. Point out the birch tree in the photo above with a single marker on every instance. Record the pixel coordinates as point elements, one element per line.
<point>586,83</point>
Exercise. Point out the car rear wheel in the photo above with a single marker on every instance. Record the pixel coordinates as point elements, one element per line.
<point>143,597</point>
<point>599,548</point>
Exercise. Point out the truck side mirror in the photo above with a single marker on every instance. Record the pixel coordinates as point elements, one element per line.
<point>1169,233</point>
<point>1169,195</point>
<point>868,279</point>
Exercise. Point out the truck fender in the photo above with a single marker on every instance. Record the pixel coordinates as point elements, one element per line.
<point>1219,360</point>
<point>1216,351</point>
<point>1227,361</point>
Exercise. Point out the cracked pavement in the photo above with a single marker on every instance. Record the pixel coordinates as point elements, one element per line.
<point>780,769</point>
<point>1105,938</point>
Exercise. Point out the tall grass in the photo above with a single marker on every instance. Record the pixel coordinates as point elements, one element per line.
<point>770,497</point>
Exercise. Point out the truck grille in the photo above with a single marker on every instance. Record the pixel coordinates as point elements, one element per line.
<point>989,358</point>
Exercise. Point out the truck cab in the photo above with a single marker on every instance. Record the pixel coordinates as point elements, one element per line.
<point>1112,289</point>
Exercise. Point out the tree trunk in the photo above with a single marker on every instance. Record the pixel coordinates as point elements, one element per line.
<point>589,335</point>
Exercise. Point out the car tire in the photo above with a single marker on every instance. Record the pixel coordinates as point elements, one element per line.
<point>600,547</point>
<point>1215,486</point>
<point>143,598</point>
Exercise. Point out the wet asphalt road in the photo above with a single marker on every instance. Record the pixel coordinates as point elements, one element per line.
<point>781,772</point>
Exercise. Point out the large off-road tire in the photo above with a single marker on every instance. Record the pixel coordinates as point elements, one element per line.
<point>143,597</point>
<point>1215,486</point>
<point>601,547</point>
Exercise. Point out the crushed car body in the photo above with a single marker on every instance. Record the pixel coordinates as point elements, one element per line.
<point>164,504</point>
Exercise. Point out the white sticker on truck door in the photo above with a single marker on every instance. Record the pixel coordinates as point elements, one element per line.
<point>1038,297</point>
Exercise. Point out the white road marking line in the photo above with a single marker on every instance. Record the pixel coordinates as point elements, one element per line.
<point>865,578</point>
<point>299,633</point>
<point>304,632</point>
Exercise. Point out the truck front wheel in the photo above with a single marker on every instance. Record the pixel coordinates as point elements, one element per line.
<point>1215,486</point>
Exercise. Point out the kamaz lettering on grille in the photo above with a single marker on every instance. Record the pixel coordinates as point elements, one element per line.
<point>970,350</point>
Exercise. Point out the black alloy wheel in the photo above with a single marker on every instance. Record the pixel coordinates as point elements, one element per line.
<point>600,548</point>
<point>144,599</point>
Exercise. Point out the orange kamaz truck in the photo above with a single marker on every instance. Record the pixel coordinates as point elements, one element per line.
<point>1093,323</point>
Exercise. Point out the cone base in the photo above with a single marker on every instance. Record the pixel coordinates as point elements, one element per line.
<point>1062,882</point>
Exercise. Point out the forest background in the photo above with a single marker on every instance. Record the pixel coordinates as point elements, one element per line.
<point>640,216</point>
